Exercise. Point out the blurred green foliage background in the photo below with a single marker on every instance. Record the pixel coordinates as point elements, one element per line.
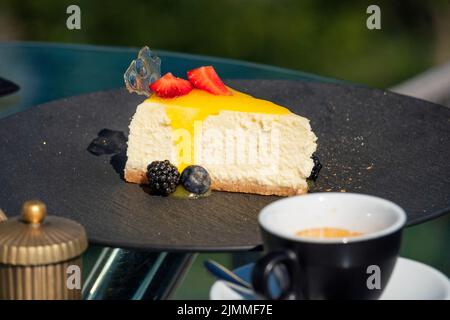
<point>325,37</point>
<point>320,36</point>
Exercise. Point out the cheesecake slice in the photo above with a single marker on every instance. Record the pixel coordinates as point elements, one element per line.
<point>246,144</point>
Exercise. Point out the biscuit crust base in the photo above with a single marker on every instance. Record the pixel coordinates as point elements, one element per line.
<point>139,176</point>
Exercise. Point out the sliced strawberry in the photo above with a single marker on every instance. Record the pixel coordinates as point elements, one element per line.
<point>206,78</point>
<point>169,86</point>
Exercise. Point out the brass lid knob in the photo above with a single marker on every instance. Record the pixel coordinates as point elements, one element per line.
<point>33,212</point>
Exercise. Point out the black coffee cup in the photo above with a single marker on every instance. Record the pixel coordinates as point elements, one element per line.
<point>356,267</point>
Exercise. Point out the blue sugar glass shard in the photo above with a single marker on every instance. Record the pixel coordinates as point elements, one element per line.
<point>142,72</point>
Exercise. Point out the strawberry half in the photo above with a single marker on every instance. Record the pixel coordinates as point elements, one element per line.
<point>206,78</point>
<point>169,86</point>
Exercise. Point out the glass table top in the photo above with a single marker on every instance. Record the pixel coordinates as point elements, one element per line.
<point>48,72</point>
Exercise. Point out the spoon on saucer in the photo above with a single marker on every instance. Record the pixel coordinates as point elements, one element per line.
<point>236,283</point>
<point>222,273</point>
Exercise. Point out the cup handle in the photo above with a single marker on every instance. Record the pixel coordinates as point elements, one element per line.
<point>264,267</point>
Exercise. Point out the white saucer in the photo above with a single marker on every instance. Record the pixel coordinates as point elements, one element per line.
<point>410,280</point>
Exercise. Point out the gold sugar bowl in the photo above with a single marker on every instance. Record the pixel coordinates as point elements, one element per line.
<point>40,255</point>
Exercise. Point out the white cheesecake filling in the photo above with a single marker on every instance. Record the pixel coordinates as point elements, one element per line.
<point>271,150</point>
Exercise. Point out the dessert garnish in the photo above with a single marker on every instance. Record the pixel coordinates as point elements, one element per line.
<point>142,72</point>
<point>163,177</point>
<point>169,86</point>
<point>316,169</point>
<point>206,78</point>
<point>195,179</point>
<point>108,142</point>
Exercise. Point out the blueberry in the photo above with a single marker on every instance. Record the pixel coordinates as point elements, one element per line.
<point>195,179</point>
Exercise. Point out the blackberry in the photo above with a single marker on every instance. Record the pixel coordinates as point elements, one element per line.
<point>162,177</point>
<point>316,169</point>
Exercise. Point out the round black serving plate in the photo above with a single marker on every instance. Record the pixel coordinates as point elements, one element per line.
<point>370,141</point>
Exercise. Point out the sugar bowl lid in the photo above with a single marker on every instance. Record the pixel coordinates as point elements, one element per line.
<point>36,239</point>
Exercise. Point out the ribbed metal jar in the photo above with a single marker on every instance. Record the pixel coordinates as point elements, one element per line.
<point>40,257</point>
<point>2,216</point>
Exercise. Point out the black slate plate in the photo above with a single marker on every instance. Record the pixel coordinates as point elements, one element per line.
<point>370,141</point>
